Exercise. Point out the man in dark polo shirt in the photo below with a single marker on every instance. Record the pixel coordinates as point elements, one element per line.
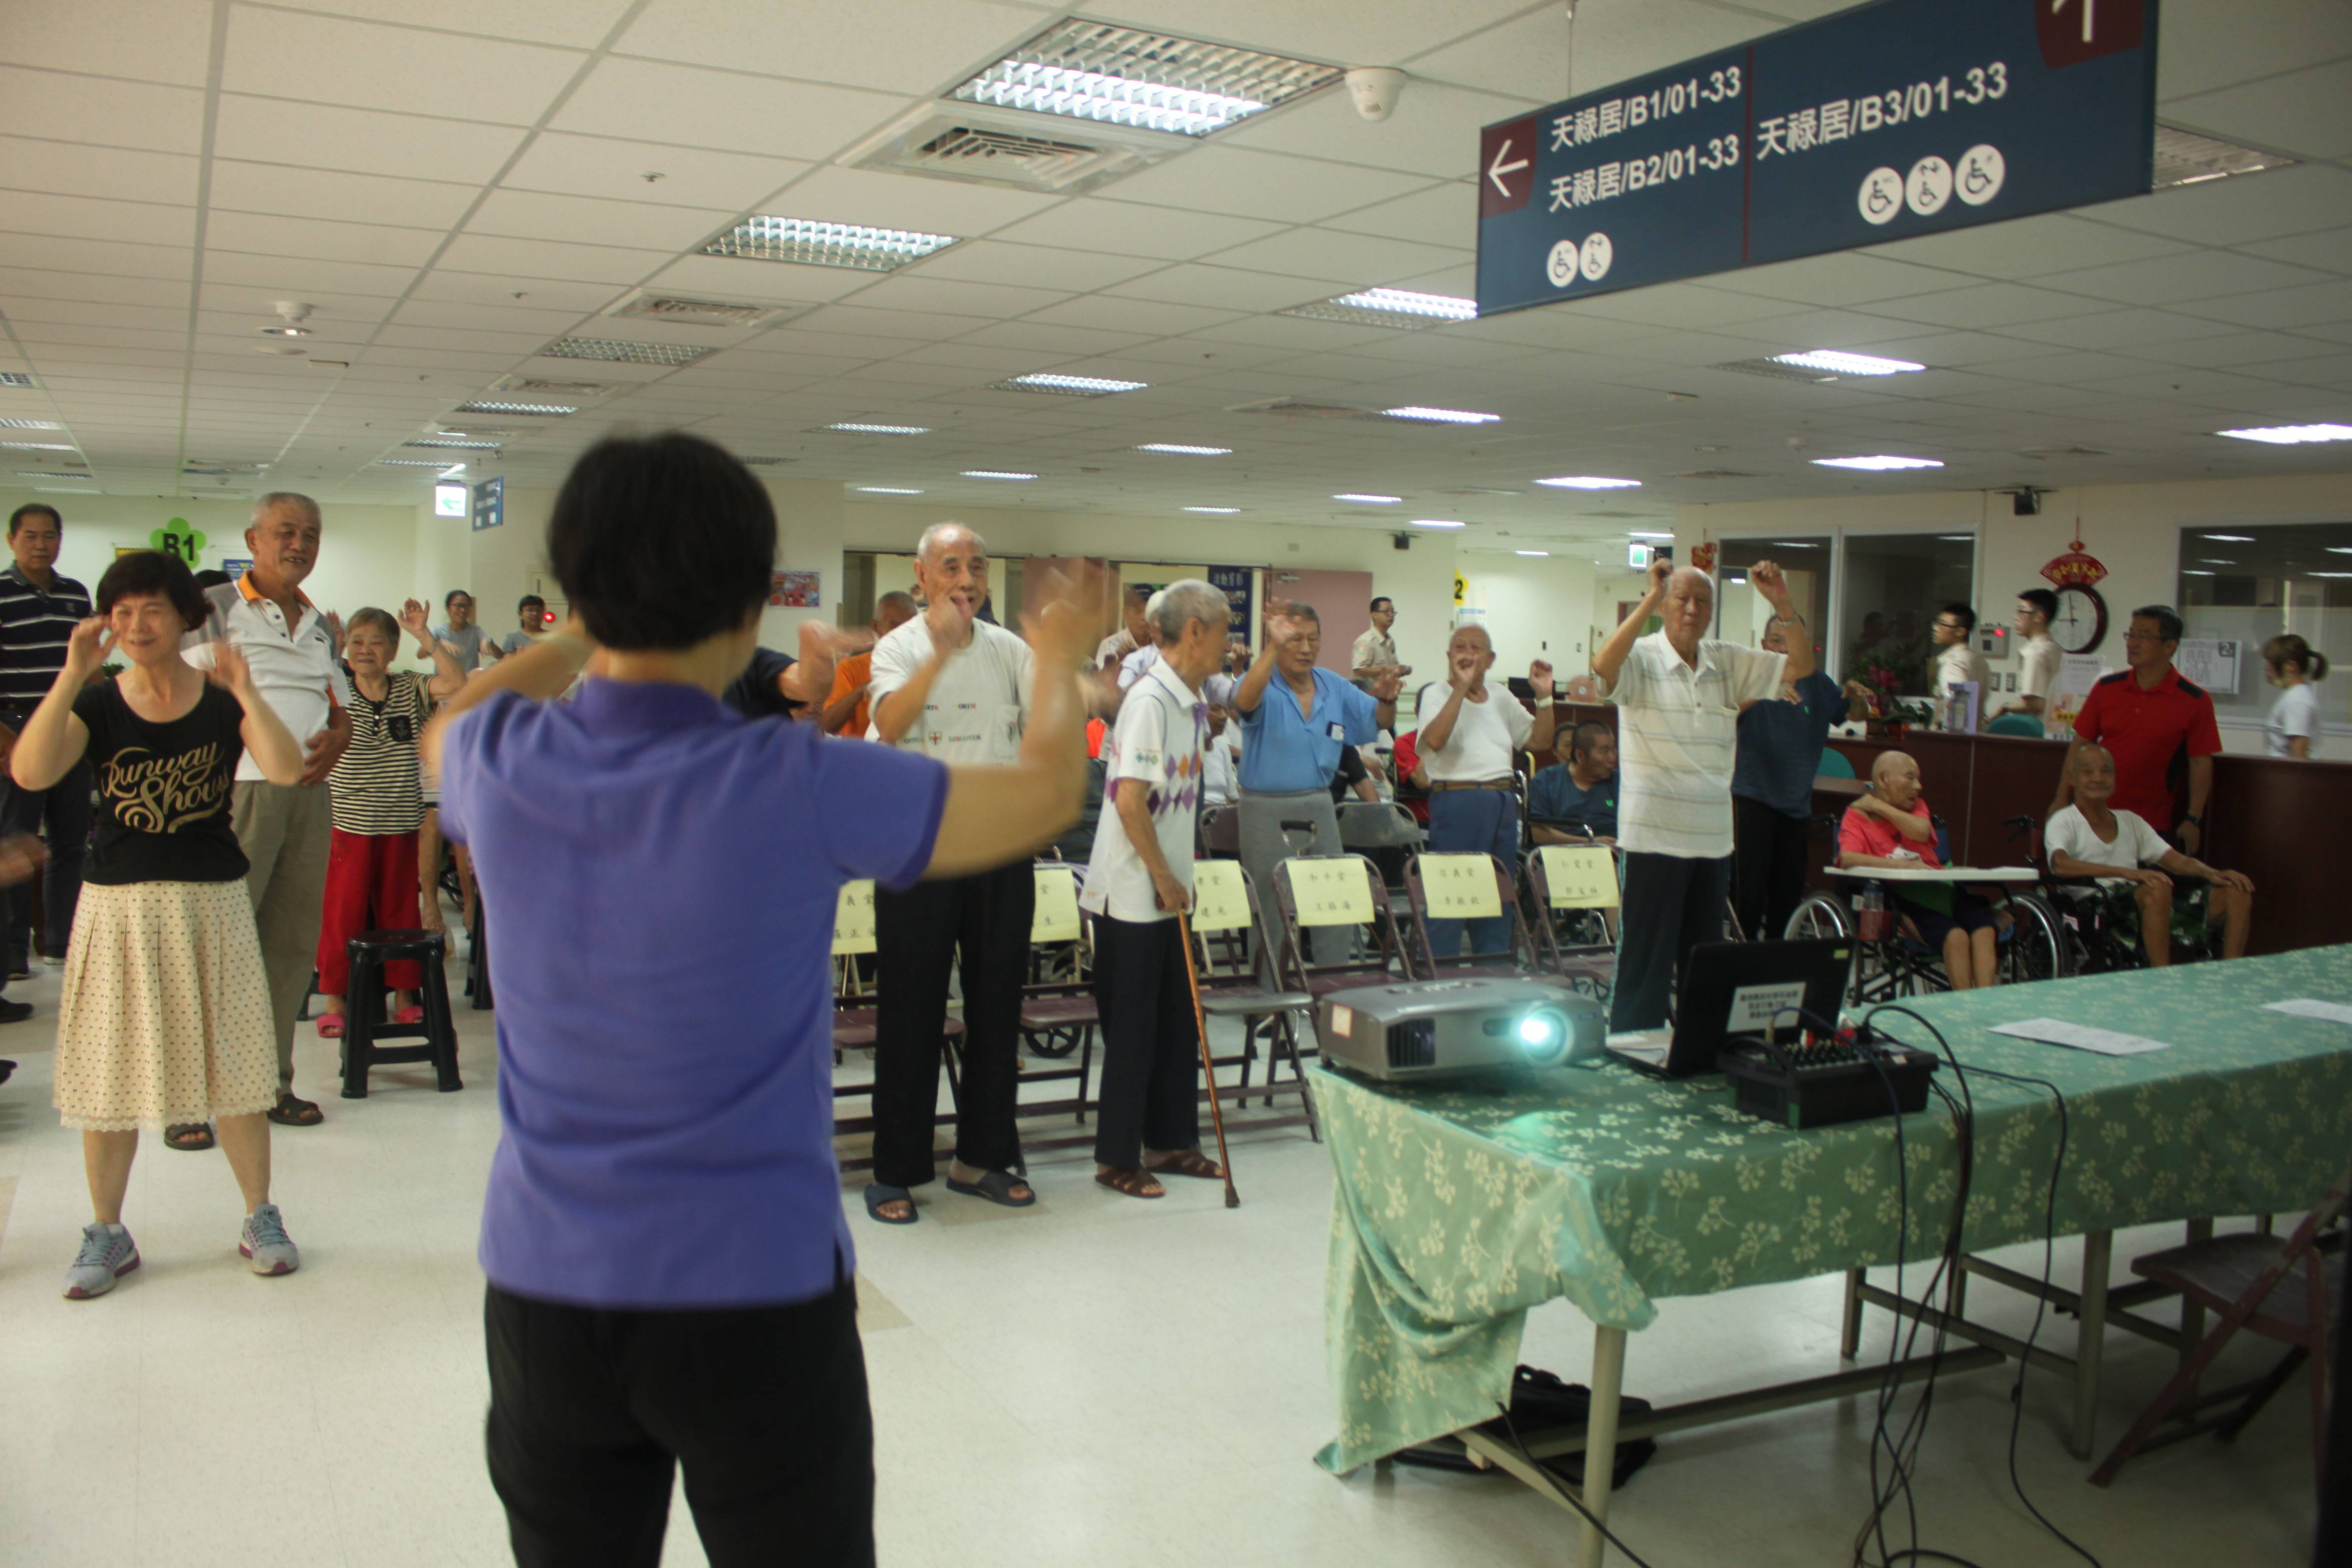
<point>39,612</point>
<point>2159,727</point>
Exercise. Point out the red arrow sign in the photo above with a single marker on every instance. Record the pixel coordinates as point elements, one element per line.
<point>2073,31</point>
<point>1507,166</point>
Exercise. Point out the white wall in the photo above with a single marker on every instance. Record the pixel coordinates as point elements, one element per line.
<point>1535,608</point>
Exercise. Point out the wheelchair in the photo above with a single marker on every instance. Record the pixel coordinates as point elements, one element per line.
<point>2030,939</point>
<point>2098,941</point>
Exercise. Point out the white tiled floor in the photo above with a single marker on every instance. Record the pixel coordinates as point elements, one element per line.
<point>1098,1381</point>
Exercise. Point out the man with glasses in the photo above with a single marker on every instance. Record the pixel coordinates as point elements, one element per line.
<point>2037,655</point>
<point>2159,728</point>
<point>1957,663</point>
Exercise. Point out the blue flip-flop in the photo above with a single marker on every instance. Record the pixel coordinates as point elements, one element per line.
<point>996,1187</point>
<point>877,1194</point>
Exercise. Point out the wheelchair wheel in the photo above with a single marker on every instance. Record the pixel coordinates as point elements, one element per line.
<point>1821,917</point>
<point>2037,947</point>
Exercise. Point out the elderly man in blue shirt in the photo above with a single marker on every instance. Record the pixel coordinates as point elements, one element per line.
<point>1295,716</point>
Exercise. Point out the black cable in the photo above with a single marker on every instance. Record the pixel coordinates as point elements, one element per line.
<point>1591,1459</point>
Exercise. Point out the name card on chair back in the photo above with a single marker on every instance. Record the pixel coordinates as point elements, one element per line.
<point>853,919</point>
<point>1333,892</point>
<point>1459,887</point>
<point>1056,917</point>
<point>1580,876</point>
<point>1220,897</point>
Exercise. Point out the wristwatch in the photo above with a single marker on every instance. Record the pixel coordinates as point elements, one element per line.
<point>2197,817</point>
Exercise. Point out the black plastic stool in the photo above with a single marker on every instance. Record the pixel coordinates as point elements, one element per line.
<point>364,1020</point>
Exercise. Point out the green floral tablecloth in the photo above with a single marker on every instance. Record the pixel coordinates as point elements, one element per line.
<point>1457,1209</point>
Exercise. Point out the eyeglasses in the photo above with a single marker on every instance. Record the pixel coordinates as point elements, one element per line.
<point>1950,626</point>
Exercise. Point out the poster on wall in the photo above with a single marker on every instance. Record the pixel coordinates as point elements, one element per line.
<point>1239,585</point>
<point>796,591</point>
<point>237,567</point>
<point>2077,673</point>
<point>2211,662</point>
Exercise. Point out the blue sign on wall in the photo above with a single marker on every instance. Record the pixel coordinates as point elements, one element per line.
<point>490,503</point>
<point>1240,587</point>
<point>1901,117</point>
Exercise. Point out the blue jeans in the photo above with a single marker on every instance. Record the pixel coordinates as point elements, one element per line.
<point>1474,822</point>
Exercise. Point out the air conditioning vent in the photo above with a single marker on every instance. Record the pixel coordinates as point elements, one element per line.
<point>1300,408</point>
<point>16,378</point>
<point>2186,158</point>
<point>623,350</point>
<point>700,312</point>
<point>1029,160</point>
<point>1413,1043</point>
<point>982,145</point>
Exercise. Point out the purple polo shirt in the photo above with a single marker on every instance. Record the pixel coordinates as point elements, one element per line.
<point>660,878</point>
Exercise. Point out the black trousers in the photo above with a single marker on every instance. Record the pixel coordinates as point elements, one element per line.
<point>61,813</point>
<point>1671,905</point>
<point>1150,1096</point>
<point>591,1412</point>
<point>1768,873</point>
<point>917,935</point>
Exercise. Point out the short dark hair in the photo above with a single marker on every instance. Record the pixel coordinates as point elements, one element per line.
<point>1383,599</point>
<point>529,599</point>
<point>153,572</point>
<point>1587,735</point>
<point>1962,614</point>
<point>661,542</point>
<point>2167,619</point>
<point>28,509</point>
<point>368,615</point>
<point>2042,599</point>
<point>454,595</point>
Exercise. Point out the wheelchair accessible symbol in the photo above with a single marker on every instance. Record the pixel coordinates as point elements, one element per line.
<point>1882,195</point>
<point>1982,169</point>
<point>1569,260</point>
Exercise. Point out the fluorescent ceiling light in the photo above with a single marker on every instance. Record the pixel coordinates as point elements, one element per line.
<point>1793,544</point>
<point>887,490</point>
<point>2232,538</point>
<point>995,474</point>
<point>1125,75</point>
<point>2291,434</point>
<point>2192,572</point>
<point>1590,482</point>
<point>459,442</point>
<point>1068,385</point>
<point>2328,573</point>
<point>1837,362</point>
<point>1438,522</point>
<point>1400,308</point>
<point>1217,510</point>
<point>1370,500</point>
<point>623,351</point>
<point>30,424</point>
<point>813,243</point>
<point>2332,550</point>
<point>1545,553</point>
<point>1637,534</point>
<point>1441,415</point>
<point>1179,449</point>
<point>441,463</point>
<point>36,474</point>
<point>1878,464</point>
<point>491,405</point>
<point>2216,561</point>
<point>1957,538</point>
<point>2186,158</point>
<point>853,428</point>
<point>38,445</point>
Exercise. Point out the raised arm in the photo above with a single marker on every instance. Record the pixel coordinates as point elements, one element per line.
<point>268,741</point>
<point>1911,825</point>
<point>540,671</point>
<point>1281,627</point>
<point>447,675</point>
<point>1437,729</point>
<point>1547,720</point>
<point>1766,578</point>
<point>896,712</point>
<point>54,739</point>
<point>1609,656</point>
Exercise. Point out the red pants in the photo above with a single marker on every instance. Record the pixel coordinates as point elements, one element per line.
<point>370,886</point>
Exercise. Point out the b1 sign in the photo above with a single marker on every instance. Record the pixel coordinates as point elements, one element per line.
<point>1896,119</point>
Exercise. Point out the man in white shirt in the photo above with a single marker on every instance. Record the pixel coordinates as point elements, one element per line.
<point>285,830</point>
<point>1471,736</point>
<point>1375,650</point>
<point>1956,662</point>
<point>1134,632</point>
<point>1140,875</point>
<point>1678,694</point>
<point>2038,654</point>
<point>2089,838</point>
<point>956,688</point>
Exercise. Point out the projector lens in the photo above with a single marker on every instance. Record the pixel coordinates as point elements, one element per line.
<point>1538,1030</point>
<point>1543,1034</point>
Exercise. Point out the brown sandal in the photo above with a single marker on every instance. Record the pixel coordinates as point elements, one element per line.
<point>1131,1181</point>
<point>1189,1163</point>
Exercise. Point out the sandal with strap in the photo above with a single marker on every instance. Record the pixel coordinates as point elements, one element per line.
<point>996,1187</point>
<point>1131,1181</point>
<point>193,1136</point>
<point>1188,1162</point>
<point>291,1112</point>
<point>877,1194</point>
<point>331,1026</point>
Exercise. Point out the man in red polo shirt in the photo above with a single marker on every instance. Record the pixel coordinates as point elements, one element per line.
<point>2159,729</point>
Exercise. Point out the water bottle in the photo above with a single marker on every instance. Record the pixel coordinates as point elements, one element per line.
<point>1870,911</point>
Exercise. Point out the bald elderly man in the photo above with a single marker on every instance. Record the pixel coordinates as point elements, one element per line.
<point>1891,828</point>
<point>1678,694</point>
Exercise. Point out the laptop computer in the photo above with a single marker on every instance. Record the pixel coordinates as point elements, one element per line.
<point>1738,988</point>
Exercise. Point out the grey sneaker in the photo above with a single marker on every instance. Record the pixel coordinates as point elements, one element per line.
<point>107,1254</point>
<point>264,1240</point>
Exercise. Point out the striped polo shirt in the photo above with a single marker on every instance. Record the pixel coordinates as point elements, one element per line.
<point>35,627</point>
<point>1677,730</point>
<point>375,782</point>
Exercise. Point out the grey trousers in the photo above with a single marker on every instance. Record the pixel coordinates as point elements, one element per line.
<point>1264,845</point>
<point>285,831</point>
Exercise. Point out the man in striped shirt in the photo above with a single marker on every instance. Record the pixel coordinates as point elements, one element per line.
<point>39,612</point>
<point>1678,694</point>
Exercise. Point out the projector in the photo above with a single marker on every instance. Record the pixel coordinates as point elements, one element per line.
<point>1425,1029</point>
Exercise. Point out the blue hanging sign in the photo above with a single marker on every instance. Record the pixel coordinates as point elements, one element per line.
<point>1896,119</point>
<point>1239,584</point>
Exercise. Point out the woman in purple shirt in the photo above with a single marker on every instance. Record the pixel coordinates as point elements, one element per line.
<point>669,1268</point>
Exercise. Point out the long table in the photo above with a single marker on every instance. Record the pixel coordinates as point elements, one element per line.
<point>1458,1208</point>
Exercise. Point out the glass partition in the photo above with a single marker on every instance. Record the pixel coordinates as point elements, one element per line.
<point>2243,584</point>
<point>1891,587</point>
<point>1740,611</point>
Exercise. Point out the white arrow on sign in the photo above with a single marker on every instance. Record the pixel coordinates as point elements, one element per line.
<point>1497,169</point>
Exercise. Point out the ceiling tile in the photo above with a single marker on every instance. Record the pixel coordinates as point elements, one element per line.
<point>1614,39</point>
<point>590,220</point>
<point>647,100</point>
<point>1985,305</point>
<point>566,261</point>
<point>31,284</point>
<point>1527,57</point>
<point>1034,265</point>
<point>603,166</point>
<point>2300,112</point>
<point>910,289</point>
<point>1050,344</point>
<point>2240,208</point>
<point>1441,215</point>
<point>272,236</point>
<point>115,38</point>
<point>323,136</point>
<point>1839,279</point>
<point>2027,246</point>
<point>1229,289</point>
<point>1340,34</point>
<point>327,59</point>
<point>1321,253</point>
<point>84,218</point>
<point>71,168</point>
<point>1127,228</point>
<point>489,289</point>
<point>897,46</point>
<point>1147,316</point>
<point>2172,280</point>
<point>2329,250</point>
<point>2203,46</point>
<point>108,257</point>
<point>341,197</point>
<point>2285,309</point>
<point>580,24</point>
<point>1263,184</point>
<point>305,275</point>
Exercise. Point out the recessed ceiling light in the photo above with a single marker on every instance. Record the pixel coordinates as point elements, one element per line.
<point>1957,538</point>
<point>1637,534</point>
<point>1183,451</point>
<point>1441,415</point>
<point>38,474</point>
<point>459,443</point>
<point>2328,573</point>
<point>623,351</point>
<point>2186,158</point>
<point>30,424</point>
<point>39,445</point>
<point>2332,550</point>
<point>812,242</point>
<point>1370,500</point>
<point>853,428</point>
<point>2291,434</point>
<point>413,463</point>
<point>2232,538</point>
<point>1068,385</point>
<point>2192,572</point>
<point>1836,361</point>
<point>1876,464</point>
<point>1546,553</point>
<point>1438,522</point>
<point>995,474</point>
<point>2216,561</point>
<point>1793,544</point>
<point>489,406</point>
<point>1400,308</point>
<point>1217,510</point>
<point>1590,482</point>
<point>887,490</point>
<point>1124,76</point>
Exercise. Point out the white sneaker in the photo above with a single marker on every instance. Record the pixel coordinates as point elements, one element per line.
<point>107,1254</point>
<point>264,1241</point>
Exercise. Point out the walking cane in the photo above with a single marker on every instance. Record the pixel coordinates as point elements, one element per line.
<point>1208,1063</point>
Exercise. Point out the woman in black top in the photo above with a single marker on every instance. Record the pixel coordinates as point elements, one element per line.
<point>165,1016</point>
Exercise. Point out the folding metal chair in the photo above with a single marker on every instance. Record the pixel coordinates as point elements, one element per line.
<point>1059,1014</point>
<point>1577,881</point>
<point>1226,906</point>
<point>1331,893</point>
<point>1463,887</point>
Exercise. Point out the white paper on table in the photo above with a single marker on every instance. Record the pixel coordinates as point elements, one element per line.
<point>2082,1036</point>
<point>2307,1007</point>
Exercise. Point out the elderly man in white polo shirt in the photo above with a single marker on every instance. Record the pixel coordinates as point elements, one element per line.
<point>285,830</point>
<point>1678,694</point>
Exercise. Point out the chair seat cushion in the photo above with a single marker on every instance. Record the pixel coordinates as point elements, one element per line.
<point>1240,1001</point>
<point>1059,1012</point>
<point>854,1029</point>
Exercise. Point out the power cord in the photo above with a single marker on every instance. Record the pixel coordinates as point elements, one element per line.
<point>1566,1492</point>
